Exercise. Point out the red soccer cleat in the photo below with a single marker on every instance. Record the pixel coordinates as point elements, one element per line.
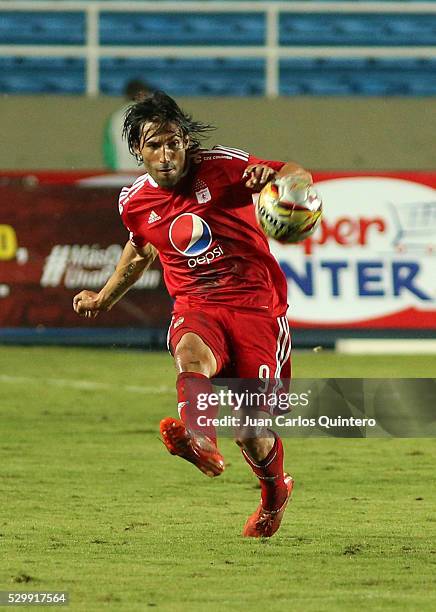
<point>264,523</point>
<point>195,448</point>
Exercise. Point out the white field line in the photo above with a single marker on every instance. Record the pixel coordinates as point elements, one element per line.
<point>85,385</point>
<point>393,346</point>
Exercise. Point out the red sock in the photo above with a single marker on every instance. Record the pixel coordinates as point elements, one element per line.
<point>189,386</point>
<point>271,477</point>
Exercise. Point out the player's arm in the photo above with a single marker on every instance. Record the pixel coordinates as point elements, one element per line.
<point>130,267</point>
<point>259,174</point>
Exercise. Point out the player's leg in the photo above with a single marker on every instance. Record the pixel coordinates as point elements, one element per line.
<point>195,364</point>
<point>265,357</point>
<point>193,436</point>
<point>276,488</point>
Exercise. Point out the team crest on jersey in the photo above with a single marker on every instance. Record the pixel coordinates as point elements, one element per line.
<point>190,235</point>
<point>202,192</point>
<point>203,196</point>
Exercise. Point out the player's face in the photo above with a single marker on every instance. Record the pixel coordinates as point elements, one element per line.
<point>164,153</point>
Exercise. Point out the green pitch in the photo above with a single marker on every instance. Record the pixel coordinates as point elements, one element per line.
<point>92,503</point>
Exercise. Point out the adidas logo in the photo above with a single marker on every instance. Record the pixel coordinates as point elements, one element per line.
<point>153,217</point>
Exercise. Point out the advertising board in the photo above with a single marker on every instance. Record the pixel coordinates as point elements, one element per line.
<point>371,264</point>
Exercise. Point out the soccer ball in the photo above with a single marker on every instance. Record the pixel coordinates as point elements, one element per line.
<point>289,209</point>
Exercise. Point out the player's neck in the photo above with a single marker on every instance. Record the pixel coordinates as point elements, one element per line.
<point>187,167</point>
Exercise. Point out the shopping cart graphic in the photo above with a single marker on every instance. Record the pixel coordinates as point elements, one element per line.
<point>415,226</point>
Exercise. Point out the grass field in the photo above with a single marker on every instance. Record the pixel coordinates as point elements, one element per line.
<point>93,504</point>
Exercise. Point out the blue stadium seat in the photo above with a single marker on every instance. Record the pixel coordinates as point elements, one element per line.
<point>28,75</point>
<point>358,76</point>
<point>364,29</point>
<point>182,29</point>
<point>214,76</point>
<point>42,28</point>
<point>184,77</point>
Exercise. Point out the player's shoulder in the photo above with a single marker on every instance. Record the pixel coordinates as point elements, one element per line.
<point>223,154</point>
<point>139,186</point>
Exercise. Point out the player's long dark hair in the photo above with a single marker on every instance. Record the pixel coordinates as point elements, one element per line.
<point>161,109</point>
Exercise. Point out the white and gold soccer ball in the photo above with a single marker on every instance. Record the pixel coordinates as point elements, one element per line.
<point>289,209</point>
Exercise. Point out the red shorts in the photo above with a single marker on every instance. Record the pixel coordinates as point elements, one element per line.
<point>245,344</point>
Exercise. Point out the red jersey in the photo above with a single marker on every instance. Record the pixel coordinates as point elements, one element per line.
<point>210,246</point>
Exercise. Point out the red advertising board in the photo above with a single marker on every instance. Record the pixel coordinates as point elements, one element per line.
<point>371,264</point>
<point>60,234</point>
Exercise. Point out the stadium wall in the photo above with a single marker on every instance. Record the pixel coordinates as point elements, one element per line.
<point>59,132</point>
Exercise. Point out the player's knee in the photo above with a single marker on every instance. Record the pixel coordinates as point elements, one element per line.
<point>256,447</point>
<point>243,438</point>
<point>188,360</point>
<point>239,441</point>
<point>190,356</point>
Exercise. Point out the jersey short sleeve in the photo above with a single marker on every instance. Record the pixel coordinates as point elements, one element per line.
<point>235,161</point>
<point>275,165</point>
<point>136,240</point>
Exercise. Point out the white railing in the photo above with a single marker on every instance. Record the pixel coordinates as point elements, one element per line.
<point>271,51</point>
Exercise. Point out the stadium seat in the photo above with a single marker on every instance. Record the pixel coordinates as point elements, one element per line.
<point>60,75</point>
<point>182,29</point>
<point>42,28</point>
<point>357,29</point>
<point>236,76</point>
<point>214,76</point>
<point>358,76</point>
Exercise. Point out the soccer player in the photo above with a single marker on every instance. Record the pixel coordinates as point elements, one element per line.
<point>194,209</point>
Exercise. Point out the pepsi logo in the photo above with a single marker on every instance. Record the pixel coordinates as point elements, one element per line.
<point>190,235</point>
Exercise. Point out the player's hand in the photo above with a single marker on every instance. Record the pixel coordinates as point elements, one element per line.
<point>296,180</point>
<point>258,176</point>
<point>87,304</point>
